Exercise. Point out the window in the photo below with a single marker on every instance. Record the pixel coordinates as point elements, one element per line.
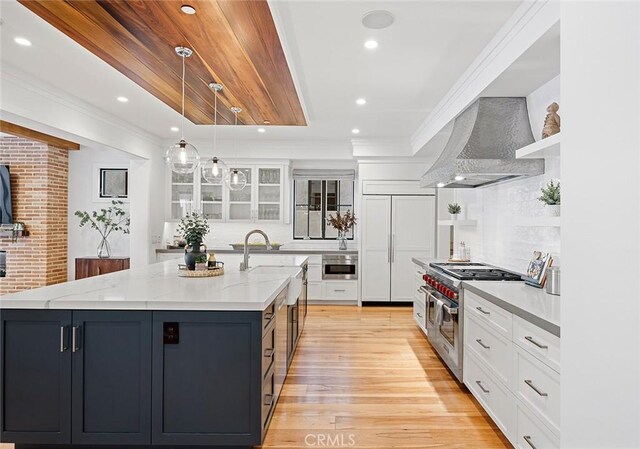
<point>315,200</point>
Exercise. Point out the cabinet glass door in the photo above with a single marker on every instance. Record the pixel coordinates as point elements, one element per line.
<point>211,200</point>
<point>269,194</point>
<point>181,195</point>
<point>240,202</point>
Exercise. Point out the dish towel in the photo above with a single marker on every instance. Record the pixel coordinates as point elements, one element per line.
<point>439,312</point>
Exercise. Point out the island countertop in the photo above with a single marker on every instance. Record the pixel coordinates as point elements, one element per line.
<point>158,287</point>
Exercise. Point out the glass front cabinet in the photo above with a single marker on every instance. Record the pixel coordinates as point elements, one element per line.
<point>261,200</point>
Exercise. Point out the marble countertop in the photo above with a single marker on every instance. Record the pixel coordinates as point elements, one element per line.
<point>158,287</point>
<point>532,304</point>
<point>229,250</point>
<point>424,263</point>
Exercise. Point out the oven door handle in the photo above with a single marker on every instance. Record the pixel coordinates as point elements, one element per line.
<point>450,310</point>
<point>423,289</point>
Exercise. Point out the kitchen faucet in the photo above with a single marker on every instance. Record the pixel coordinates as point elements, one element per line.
<point>244,266</point>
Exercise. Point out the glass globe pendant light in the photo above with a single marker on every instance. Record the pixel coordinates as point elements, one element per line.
<point>183,157</point>
<point>214,171</point>
<point>237,179</point>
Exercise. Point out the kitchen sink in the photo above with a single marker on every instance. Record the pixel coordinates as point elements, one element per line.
<point>295,283</point>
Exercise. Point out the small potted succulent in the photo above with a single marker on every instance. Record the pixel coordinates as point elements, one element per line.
<point>193,228</point>
<point>551,198</point>
<point>454,210</point>
<point>202,262</point>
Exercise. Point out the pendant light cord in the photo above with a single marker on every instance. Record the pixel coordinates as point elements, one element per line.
<point>215,121</point>
<point>183,74</point>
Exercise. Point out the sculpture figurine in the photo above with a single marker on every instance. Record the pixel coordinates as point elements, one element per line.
<point>551,121</point>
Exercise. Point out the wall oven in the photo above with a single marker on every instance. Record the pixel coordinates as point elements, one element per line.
<point>338,266</point>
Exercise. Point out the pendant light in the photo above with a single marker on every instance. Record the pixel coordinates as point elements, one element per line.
<point>237,179</point>
<point>183,157</point>
<point>214,171</point>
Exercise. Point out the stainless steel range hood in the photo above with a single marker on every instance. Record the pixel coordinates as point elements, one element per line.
<point>482,147</point>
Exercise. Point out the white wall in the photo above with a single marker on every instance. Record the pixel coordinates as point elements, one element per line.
<point>498,239</point>
<point>600,375</point>
<point>83,196</point>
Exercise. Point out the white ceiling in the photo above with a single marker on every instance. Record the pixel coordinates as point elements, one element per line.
<point>419,58</point>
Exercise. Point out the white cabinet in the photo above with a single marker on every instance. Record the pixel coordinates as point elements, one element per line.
<point>261,200</point>
<point>512,367</point>
<point>394,229</point>
<point>328,290</point>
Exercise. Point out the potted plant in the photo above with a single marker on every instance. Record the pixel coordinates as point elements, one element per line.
<point>551,198</point>
<point>193,228</point>
<point>454,210</point>
<point>113,218</point>
<point>202,262</point>
<point>343,223</point>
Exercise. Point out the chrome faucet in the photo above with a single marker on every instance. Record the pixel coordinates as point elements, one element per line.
<point>244,266</point>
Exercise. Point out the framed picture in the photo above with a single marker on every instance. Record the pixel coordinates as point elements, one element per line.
<point>114,183</point>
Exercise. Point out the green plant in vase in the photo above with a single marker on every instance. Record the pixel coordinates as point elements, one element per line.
<point>106,221</point>
<point>193,228</point>
<point>551,198</point>
<point>454,210</point>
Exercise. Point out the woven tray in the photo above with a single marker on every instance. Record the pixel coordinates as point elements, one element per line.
<point>217,270</point>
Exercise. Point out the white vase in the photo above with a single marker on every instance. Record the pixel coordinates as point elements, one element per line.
<point>552,210</point>
<point>454,216</point>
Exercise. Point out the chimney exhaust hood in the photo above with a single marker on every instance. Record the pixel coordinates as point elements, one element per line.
<point>482,147</point>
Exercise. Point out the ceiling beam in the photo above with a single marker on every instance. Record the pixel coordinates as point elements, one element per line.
<point>27,133</point>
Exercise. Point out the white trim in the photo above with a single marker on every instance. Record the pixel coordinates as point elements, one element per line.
<point>530,21</point>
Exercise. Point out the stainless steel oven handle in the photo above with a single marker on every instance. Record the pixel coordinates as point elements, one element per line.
<point>423,289</point>
<point>450,311</point>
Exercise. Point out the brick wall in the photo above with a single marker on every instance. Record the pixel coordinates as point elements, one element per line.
<point>39,184</point>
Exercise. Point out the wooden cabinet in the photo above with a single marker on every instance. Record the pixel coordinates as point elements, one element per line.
<point>394,230</point>
<point>87,267</point>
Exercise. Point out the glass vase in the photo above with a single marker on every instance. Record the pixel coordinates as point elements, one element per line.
<point>342,241</point>
<point>104,249</point>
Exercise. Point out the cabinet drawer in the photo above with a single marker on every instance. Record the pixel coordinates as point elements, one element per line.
<point>531,433</point>
<point>268,315</point>
<point>341,290</point>
<point>542,344</point>
<point>314,290</point>
<point>268,350</point>
<point>268,399</point>
<point>496,317</point>
<point>489,346</point>
<point>538,386</point>
<point>314,273</point>
<point>419,313</point>
<point>496,399</point>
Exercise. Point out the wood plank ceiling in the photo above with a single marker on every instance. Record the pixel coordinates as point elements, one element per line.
<point>234,43</point>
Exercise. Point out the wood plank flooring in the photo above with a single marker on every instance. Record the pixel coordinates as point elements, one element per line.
<point>367,378</point>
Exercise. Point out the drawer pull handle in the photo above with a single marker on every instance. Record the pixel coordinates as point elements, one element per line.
<point>339,290</point>
<point>483,311</point>
<point>531,340</point>
<point>445,348</point>
<point>479,341</point>
<point>529,441</point>
<point>268,399</point>
<point>268,352</point>
<point>418,313</point>
<point>482,388</point>
<point>534,388</point>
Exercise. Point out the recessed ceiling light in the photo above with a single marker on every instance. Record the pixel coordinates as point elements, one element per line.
<point>371,44</point>
<point>175,129</point>
<point>440,184</point>
<point>459,178</point>
<point>355,131</point>
<point>262,130</point>
<point>188,9</point>
<point>361,101</point>
<point>377,20</point>
<point>22,41</point>
<point>123,99</point>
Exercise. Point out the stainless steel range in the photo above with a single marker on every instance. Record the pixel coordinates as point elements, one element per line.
<point>444,305</point>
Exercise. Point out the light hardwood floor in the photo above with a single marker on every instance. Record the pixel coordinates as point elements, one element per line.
<point>367,378</point>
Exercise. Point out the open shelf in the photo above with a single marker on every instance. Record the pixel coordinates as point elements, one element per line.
<point>538,221</point>
<point>549,147</point>
<point>457,222</point>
